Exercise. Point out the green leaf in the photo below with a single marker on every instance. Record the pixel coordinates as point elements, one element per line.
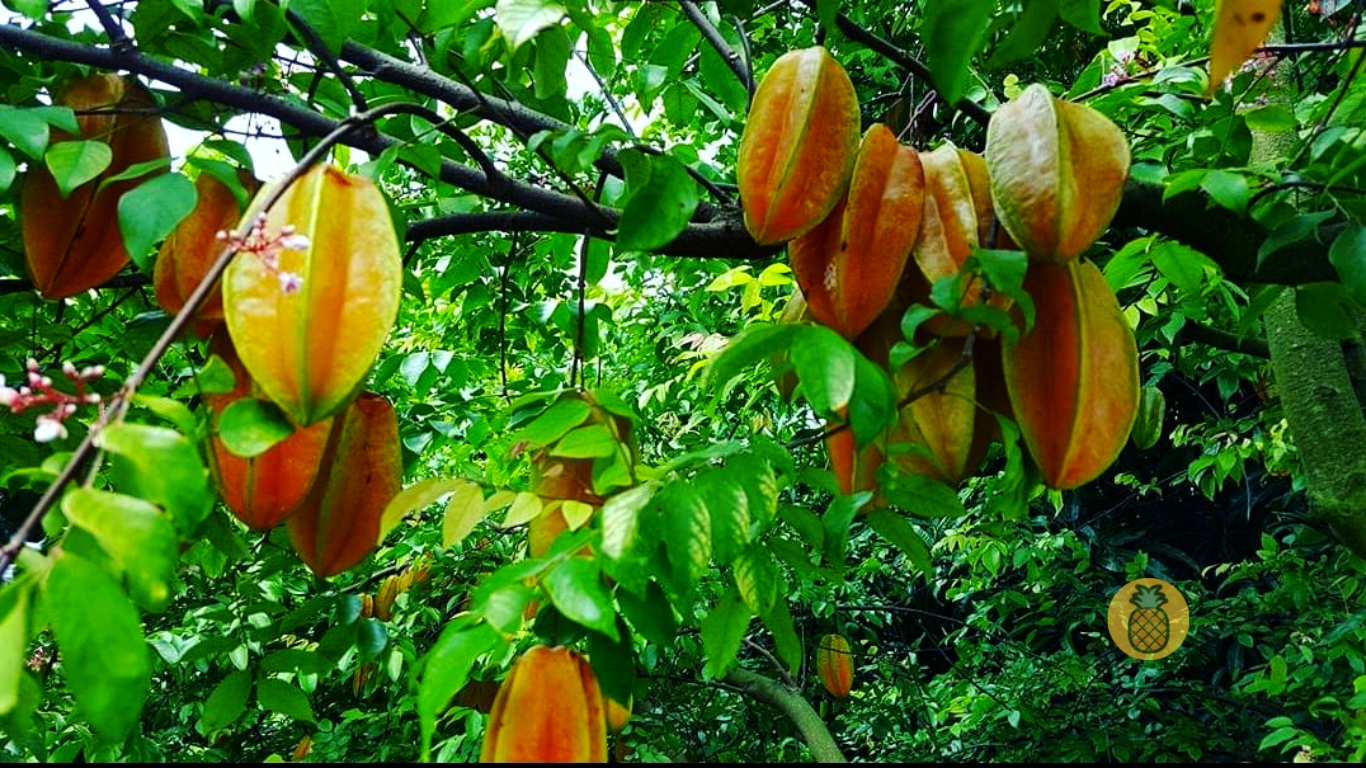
<point>1326,309</point>
<point>756,579</point>
<point>520,20</point>
<point>334,20</point>
<point>25,129</point>
<point>552,50</point>
<point>14,637</point>
<point>150,211</point>
<point>464,511</point>
<point>73,163</point>
<point>660,200</point>
<point>557,420</point>
<point>446,669</point>
<point>576,590</point>
<point>754,345</point>
<point>687,531</point>
<point>249,427</point>
<point>728,507</point>
<point>1082,14</point>
<point>614,663</point>
<point>872,406</point>
<point>417,496</point>
<point>160,465</point>
<point>806,523</point>
<point>953,31</point>
<point>652,616</point>
<point>1227,189</point>
<point>723,630</point>
<point>838,516</point>
<point>1027,32</point>
<point>7,169</point>
<point>104,655</point>
<point>137,170</point>
<point>621,518</point>
<point>1278,736</point>
<point>1348,255</point>
<point>586,442</point>
<point>826,366</point>
<point>278,696</point>
<point>371,638</point>
<point>1299,228</point>
<point>227,702</point>
<point>179,415</point>
<point>902,535</point>
<point>137,536</point>
<point>924,497</point>
<point>779,622</point>
<point>1273,118</point>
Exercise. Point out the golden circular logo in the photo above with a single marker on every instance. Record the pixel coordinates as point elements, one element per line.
<point>1149,619</point>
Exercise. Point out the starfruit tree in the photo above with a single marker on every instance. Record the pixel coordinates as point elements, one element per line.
<point>490,362</point>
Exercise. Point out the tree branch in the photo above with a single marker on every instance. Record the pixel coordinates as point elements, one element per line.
<point>790,703</point>
<point>713,36</point>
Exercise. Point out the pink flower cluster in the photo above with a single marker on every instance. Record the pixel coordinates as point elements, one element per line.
<point>39,391</point>
<point>267,249</point>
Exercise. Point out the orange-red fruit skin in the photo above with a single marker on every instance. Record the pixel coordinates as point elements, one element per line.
<point>797,149</point>
<point>548,710</point>
<point>1073,379</point>
<point>849,266</point>
<point>337,525</point>
<point>75,244</point>
<point>263,490</point>
<point>192,248</point>
<point>835,665</point>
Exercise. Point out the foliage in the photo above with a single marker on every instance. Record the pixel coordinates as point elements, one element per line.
<point>560,178</point>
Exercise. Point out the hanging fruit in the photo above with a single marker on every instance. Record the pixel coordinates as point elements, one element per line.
<point>192,248</point>
<point>74,243</point>
<point>261,490</point>
<point>798,146</point>
<point>835,665</point>
<point>1057,173</point>
<point>849,266</point>
<point>956,220</point>
<point>309,323</point>
<point>1073,379</point>
<point>338,523</point>
<point>548,710</point>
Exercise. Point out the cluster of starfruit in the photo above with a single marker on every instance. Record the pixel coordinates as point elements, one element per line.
<point>872,225</point>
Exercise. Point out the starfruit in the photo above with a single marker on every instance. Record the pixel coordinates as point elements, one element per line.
<point>338,523</point>
<point>618,714</point>
<point>1057,173</point>
<point>855,468</point>
<point>933,434</point>
<point>794,311</point>
<point>309,349</point>
<point>849,266</point>
<point>956,220</point>
<point>798,145</point>
<point>74,243</point>
<point>193,247</point>
<point>548,710</point>
<point>261,490</point>
<point>1073,379</point>
<point>835,665</point>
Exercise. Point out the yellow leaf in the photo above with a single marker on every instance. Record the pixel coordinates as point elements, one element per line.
<point>1239,27</point>
<point>464,510</point>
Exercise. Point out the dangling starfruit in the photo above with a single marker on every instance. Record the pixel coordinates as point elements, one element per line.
<point>192,248</point>
<point>261,490</point>
<point>957,219</point>
<point>548,710</point>
<point>855,470</point>
<point>794,311</point>
<point>797,149</point>
<point>835,665</point>
<point>933,434</point>
<point>849,266</point>
<point>74,243</point>
<point>309,349</point>
<point>1057,173</point>
<point>338,523</point>
<point>1073,379</point>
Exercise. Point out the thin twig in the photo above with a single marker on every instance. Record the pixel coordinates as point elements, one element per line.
<point>314,43</point>
<point>782,670</point>
<point>713,36</point>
